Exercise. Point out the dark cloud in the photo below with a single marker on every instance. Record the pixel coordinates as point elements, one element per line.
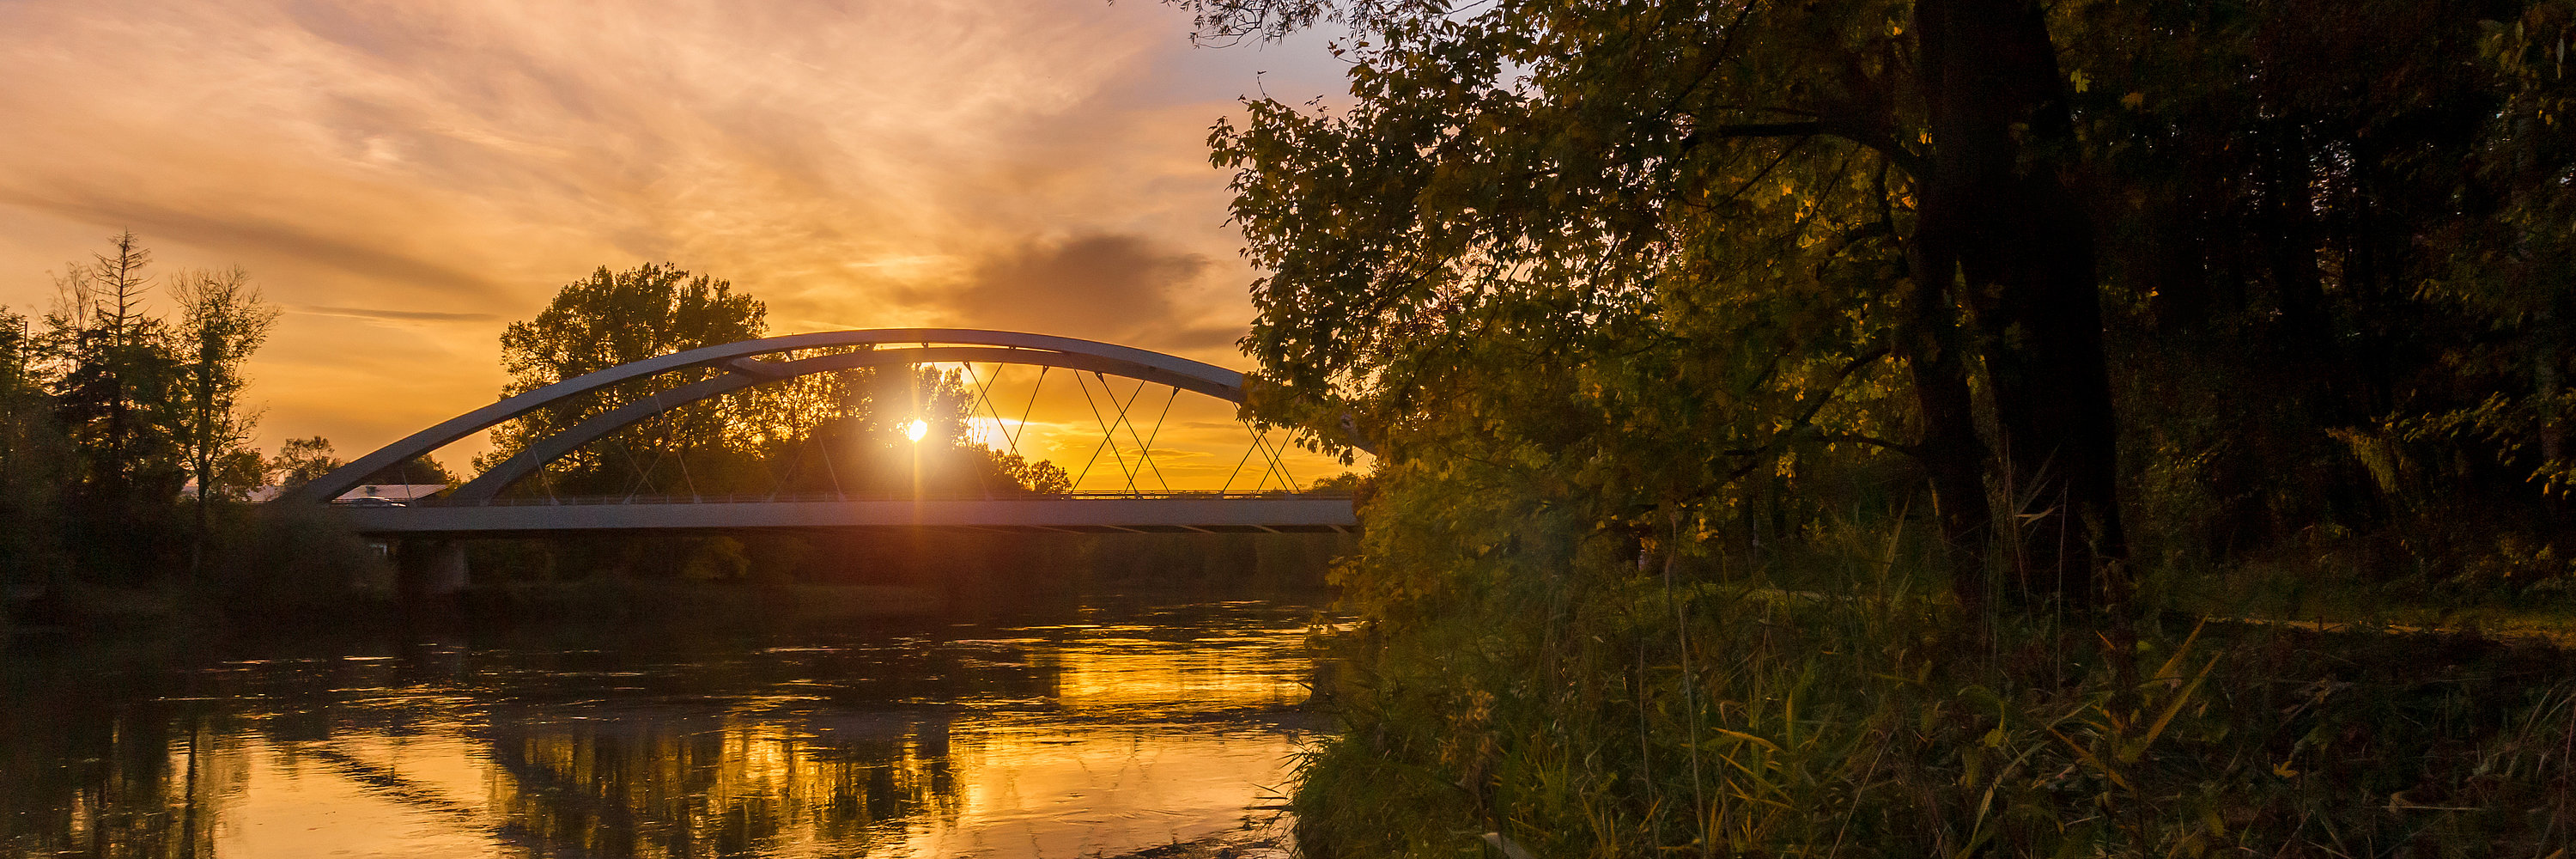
<point>398,315</point>
<point>1094,285</point>
<point>215,225</point>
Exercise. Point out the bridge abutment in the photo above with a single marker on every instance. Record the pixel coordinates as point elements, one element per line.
<point>429,567</point>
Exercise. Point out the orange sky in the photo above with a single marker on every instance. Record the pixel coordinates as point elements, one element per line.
<point>406,178</point>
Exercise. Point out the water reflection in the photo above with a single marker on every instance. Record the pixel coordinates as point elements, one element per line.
<point>1120,731</point>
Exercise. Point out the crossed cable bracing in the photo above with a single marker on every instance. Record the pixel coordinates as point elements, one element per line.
<point>1272,464</point>
<point>1109,431</point>
<point>1120,417</point>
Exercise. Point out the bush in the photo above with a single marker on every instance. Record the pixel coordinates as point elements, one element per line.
<point>298,558</point>
<point>1601,710</point>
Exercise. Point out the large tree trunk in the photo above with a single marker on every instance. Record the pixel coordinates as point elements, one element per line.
<point>2023,250</point>
<point>1952,455</point>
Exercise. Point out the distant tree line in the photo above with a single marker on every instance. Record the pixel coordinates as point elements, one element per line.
<point>126,457</point>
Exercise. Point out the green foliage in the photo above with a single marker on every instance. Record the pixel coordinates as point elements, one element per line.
<point>613,318</point>
<point>146,403</point>
<point>34,464</point>
<point>842,431</point>
<point>1666,315</point>
<point>113,376</point>
<point>222,320</point>
<point>1674,252</point>
<point>1672,248</point>
<point>300,460</point>
<point>2330,271</point>
<point>106,411</point>
<point>294,559</point>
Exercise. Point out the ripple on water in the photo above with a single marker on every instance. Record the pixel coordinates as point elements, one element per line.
<point>1119,733</point>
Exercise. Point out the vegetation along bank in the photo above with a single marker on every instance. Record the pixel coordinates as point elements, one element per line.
<point>1820,428</point>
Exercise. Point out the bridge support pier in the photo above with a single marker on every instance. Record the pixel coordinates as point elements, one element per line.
<point>430,567</point>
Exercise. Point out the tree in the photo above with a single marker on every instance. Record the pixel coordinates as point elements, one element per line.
<point>422,469</point>
<point>1042,477</point>
<point>613,318</point>
<point>113,369</point>
<point>33,460</point>
<point>1618,281</point>
<point>221,322</point>
<point>864,444</point>
<point>1765,202</point>
<point>113,378</point>
<point>300,460</point>
<point>835,431</point>
<point>1997,228</point>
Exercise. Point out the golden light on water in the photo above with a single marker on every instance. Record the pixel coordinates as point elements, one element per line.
<point>917,430</point>
<point>1143,741</point>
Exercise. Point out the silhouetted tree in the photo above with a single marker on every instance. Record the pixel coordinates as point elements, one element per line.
<point>114,378</point>
<point>300,460</point>
<point>612,318</point>
<point>422,469</point>
<point>221,322</point>
<point>34,462</point>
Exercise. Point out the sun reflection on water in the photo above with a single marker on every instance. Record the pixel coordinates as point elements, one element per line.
<point>1072,740</point>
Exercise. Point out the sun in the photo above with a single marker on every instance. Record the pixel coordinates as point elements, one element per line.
<point>917,430</point>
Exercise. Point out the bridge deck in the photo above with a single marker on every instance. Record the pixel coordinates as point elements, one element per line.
<point>1174,513</point>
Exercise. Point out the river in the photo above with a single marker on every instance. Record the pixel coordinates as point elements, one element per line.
<point>1106,728</point>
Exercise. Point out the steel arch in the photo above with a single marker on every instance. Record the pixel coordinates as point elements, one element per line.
<point>746,370</point>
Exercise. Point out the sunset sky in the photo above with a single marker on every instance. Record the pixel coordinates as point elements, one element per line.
<point>404,179</point>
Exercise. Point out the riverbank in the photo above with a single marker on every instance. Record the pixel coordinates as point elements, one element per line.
<point>1265,842</point>
<point>1708,720</point>
<point>166,611</point>
<point>308,570</point>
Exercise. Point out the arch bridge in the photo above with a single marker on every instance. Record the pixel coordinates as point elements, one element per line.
<point>479,507</point>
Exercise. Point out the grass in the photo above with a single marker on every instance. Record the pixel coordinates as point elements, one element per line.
<point>2544,612</point>
<point>1604,711</point>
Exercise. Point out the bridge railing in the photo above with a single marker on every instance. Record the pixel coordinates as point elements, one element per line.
<point>815,497</point>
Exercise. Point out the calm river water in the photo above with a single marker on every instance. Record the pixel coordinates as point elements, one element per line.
<point>1102,729</point>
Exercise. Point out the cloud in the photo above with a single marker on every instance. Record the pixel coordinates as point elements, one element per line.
<point>396,315</point>
<point>1034,164</point>
<point>1105,286</point>
<point>1209,338</point>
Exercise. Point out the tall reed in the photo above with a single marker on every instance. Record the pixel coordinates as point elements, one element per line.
<point>1564,699</point>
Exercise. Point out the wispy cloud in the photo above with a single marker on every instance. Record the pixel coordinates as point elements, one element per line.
<point>395,315</point>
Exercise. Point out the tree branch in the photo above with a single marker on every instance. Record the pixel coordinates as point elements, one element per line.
<point>1873,441</point>
<point>1804,418</point>
<point>1875,138</point>
<point>1757,129</point>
